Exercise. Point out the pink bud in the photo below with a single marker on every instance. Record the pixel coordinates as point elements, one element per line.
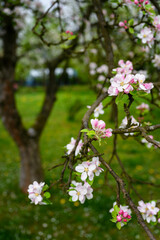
<point>141,1</point>
<point>67,31</point>
<point>121,212</point>
<point>121,24</point>
<point>129,216</point>
<point>146,2</point>
<point>136,1</point>
<point>125,21</point>
<point>124,220</point>
<point>158,220</point>
<point>125,214</point>
<point>119,219</point>
<point>139,5</point>
<point>125,27</point>
<point>71,33</point>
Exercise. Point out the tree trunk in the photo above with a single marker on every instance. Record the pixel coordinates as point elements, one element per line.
<point>30,169</point>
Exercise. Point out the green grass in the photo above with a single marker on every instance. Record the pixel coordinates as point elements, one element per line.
<point>19,220</point>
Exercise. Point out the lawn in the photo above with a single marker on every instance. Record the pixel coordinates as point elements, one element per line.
<point>19,220</point>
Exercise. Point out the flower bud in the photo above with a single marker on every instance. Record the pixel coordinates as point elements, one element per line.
<point>125,214</point>
<point>124,220</point>
<point>129,216</point>
<point>119,219</point>
<point>121,24</point>
<point>121,212</point>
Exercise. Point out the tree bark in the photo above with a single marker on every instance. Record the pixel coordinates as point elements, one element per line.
<point>31,168</point>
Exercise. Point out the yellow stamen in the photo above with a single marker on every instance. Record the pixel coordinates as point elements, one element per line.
<point>86,169</point>
<point>78,193</point>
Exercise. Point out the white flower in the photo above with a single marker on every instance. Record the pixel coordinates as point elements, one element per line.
<point>98,170</point>
<point>71,145</point>
<point>98,110</point>
<point>156,61</point>
<point>125,122</point>
<point>101,78</point>
<point>146,35</point>
<point>148,210</point>
<point>80,192</point>
<point>86,169</point>
<point>34,191</point>
<point>93,65</point>
<point>103,69</point>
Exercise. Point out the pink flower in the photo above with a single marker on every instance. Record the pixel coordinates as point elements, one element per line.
<point>99,127</point>
<point>121,24</point>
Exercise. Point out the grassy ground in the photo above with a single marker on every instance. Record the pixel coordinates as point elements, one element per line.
<point>19,220</point>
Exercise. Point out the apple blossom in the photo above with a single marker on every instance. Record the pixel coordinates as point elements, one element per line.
<point>156,61</point>
<point>101,78</point>
<point>143,107</point>
<point>89,168</point>
<point>103,69</point>
<point>80,192</point>
<point>98,110</point>
<point>124,123</point>
<point>99,127</point>
<point>148,210</point>
<point>86,169</point>
<point>146,35</point>
<point>71,145</point>
<point>35,191</point>
<point>125,67</point>
<point>156,22</point>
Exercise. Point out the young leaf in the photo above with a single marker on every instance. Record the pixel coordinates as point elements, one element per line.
<point>118,225</point>
<point>47,195</point>
<point>45,187</point>
<point>131,30</point>
<point>131,22</point>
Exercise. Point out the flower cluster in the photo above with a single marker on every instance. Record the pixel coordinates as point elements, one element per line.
<point>124,123</point>
<point>123,24</point>
<point>71,146</point>
<point>148,144</point>
<point>126,82</point>
<point>69,32</point>
<point>99,128</point>
<point>140,2</point>
<point>156,22</point>
<point>89,168</point>
<point>35,191</point>
<point>148,211</point>
<point>79,191</point>
<point>121,215</point>
<point>98,110</point>
<point>102,71</point>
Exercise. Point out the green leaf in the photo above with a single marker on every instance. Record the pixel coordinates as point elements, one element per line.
<point>47,195</point>
<point>48,202</point>
<point>116,209</point>
<point>91,133</point>
<point>45,187</point>
<point>114,215</point>
<point>131,22</point>
<point>90,182</point>
<point>70,199</point>
<point>141,93</point>
<point>72,37</point>
<point>118,225</point>
<point>114,72</point>
<point>84,130</point>
<point>119,97</point>
<point>113,220</point>
<point>131,30</point>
